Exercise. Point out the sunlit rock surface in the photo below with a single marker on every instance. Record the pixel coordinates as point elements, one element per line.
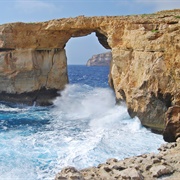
<point>145,66</point>
<point>29,75</point>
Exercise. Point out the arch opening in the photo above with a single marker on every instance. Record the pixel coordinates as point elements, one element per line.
<point>85,51</point>
<point>80,49</point>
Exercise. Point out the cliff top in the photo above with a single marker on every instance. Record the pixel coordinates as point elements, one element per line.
<point>159,14</point>
<point>31,35</point>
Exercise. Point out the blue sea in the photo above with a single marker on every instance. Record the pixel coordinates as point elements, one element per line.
<point>83,128</point>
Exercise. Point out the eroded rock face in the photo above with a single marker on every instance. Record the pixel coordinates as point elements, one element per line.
<point>145,70</point>
<point>172,120</point>
<point>32,75</point>
<point>145,66</point>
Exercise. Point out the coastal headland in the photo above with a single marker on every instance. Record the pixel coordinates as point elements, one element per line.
<point>103,59</point>
<point>145,66</point>
<point>144,70</point>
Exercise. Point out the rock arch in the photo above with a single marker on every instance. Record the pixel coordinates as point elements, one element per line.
<point>34,60</point>
<point>145,64</point>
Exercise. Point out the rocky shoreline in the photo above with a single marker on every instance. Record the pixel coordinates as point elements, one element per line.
<point>144,70</point>
<point>164,165</point>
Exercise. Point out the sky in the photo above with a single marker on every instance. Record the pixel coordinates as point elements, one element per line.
<point>80,49</point>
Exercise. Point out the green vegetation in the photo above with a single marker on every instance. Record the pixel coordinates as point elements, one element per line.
<point>146,15</point>
<point>143,15</point>
<point>177,17</point>
<point>154,31</point>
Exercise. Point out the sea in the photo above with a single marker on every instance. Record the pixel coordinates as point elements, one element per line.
<point>83,128</point>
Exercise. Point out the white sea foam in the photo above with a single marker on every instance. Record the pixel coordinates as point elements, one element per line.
<point>85,128</point>
<point>5,108</point>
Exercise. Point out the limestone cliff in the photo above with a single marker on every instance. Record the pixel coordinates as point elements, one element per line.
<point>145,66</point>
<point>30,76</point>
<point>103,59</point>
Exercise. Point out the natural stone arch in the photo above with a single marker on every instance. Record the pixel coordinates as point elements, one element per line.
<point>34,59</point>
<point>144,70</point>
<point>34,62</point>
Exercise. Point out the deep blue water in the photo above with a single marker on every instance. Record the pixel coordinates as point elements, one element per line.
<point>83,128</point>
<point>93,76</point>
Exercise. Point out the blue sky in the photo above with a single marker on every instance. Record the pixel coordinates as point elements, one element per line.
<point>79,50</point>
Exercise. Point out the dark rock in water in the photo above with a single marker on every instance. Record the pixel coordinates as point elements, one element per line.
<point>103,59</point>
<point>32,75</point>
<point>42,97</point>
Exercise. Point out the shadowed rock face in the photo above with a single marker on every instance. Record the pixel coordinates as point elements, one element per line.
<point>172,120</point>
<point>145,66</point>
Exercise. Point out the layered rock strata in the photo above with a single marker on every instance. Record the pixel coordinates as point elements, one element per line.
<point>32,76</point>
<point>164,165</point>
<point>103,59</point>
<point>145,66</point>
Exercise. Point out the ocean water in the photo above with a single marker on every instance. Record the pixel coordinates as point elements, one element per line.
<point>83,128</point>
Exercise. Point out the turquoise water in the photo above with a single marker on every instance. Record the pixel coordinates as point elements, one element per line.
<point>83,128</point>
